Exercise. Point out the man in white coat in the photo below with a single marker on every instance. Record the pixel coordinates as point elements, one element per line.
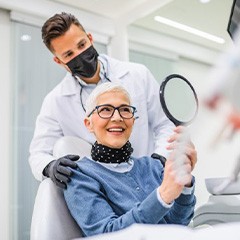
<point>63,109</point>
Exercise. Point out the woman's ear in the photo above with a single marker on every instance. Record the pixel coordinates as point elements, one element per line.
<point>88,124</point>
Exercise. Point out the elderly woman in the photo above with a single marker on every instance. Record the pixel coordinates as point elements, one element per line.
<point>110,190</point>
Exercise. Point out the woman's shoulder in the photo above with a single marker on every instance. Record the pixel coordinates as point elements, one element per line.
<point>85,162</point>
<point>148,161</point>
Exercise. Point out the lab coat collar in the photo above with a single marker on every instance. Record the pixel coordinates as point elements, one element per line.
<point>115,69</point>
<point>70,86</point>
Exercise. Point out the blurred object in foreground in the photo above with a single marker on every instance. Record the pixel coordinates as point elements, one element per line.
<point>234,119</point>
<point>224,80</point>
<point>225,75</point>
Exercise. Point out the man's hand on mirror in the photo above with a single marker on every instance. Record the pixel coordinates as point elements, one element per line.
<point>58,170</point>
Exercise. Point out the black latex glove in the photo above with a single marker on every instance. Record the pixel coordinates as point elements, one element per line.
<point>159,157</point>
<point>59,173</point>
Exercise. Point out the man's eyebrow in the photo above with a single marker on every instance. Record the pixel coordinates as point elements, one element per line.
<point>70,51</point>
<point>81,42</point>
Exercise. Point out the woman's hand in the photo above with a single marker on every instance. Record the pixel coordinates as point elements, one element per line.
<point>180,139</point>
<point>179,165</point>
<point>170,189</point>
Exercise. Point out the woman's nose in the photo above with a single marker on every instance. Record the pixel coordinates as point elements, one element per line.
<point>116,116</point>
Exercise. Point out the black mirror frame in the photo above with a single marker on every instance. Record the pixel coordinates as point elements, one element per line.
<point>163,103</point>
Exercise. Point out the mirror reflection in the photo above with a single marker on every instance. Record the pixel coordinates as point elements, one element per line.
<point>179,99</point>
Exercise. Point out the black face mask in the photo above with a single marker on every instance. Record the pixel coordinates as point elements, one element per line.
<point>85,64</point>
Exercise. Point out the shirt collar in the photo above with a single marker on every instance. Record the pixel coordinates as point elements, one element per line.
<point>117,167</point>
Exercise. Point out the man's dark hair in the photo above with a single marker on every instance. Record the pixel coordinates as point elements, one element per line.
<point>56,26</point>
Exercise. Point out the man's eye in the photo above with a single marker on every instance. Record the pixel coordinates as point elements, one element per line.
<point>68,55</point>
<point>82,45</point>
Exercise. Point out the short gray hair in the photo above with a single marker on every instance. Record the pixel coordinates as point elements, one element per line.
<point>91,102</point>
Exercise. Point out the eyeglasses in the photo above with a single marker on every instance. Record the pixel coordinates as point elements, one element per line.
<point>106,111</point>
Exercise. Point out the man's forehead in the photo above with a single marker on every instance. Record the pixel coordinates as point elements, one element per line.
<point>68,41</point>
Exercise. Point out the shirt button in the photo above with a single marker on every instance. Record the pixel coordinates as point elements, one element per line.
<point>137,188</point>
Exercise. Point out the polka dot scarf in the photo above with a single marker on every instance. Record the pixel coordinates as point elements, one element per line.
<point>104,154</point>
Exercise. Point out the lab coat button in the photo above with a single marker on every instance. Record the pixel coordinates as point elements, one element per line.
<point>137,188</point>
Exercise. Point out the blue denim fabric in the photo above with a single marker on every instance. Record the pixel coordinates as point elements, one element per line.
<point>101,200</point>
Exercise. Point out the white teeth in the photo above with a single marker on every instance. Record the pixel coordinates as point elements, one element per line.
<point>115,130</point>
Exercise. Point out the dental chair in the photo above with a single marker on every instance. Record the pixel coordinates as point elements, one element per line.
<point>51,218</point>
<point>221,207</point>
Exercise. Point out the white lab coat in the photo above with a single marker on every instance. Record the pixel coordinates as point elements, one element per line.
<point>62,114</point>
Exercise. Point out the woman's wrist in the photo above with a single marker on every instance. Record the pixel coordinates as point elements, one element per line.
<point>165,195</point>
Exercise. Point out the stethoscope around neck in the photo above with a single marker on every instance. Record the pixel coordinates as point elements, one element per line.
<point>82,86</point>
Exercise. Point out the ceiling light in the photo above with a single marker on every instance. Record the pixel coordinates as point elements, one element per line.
<point>26,37</point>
<point>204,1</point>
<point>189,29</point>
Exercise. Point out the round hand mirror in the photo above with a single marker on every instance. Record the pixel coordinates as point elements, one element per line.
<point>178,99</point>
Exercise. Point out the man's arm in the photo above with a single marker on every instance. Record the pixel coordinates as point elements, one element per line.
<point>42,161</point>
<point>47,132</point>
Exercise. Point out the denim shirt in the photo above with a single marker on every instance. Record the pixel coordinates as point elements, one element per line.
<point>102,200</point>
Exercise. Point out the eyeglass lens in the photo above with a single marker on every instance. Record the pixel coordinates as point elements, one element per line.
<point>107,111</point>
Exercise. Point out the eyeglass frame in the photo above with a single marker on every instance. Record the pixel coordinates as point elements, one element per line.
<point>115,108</point>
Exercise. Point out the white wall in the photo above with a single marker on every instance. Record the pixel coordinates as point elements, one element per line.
<point>173,46</point>
<point>5,123</point>
<point>215,159</point>
<point>106,28</point>
<point>38,11</point>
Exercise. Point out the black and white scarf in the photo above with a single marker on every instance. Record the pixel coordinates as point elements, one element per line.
<point>104,154</point>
